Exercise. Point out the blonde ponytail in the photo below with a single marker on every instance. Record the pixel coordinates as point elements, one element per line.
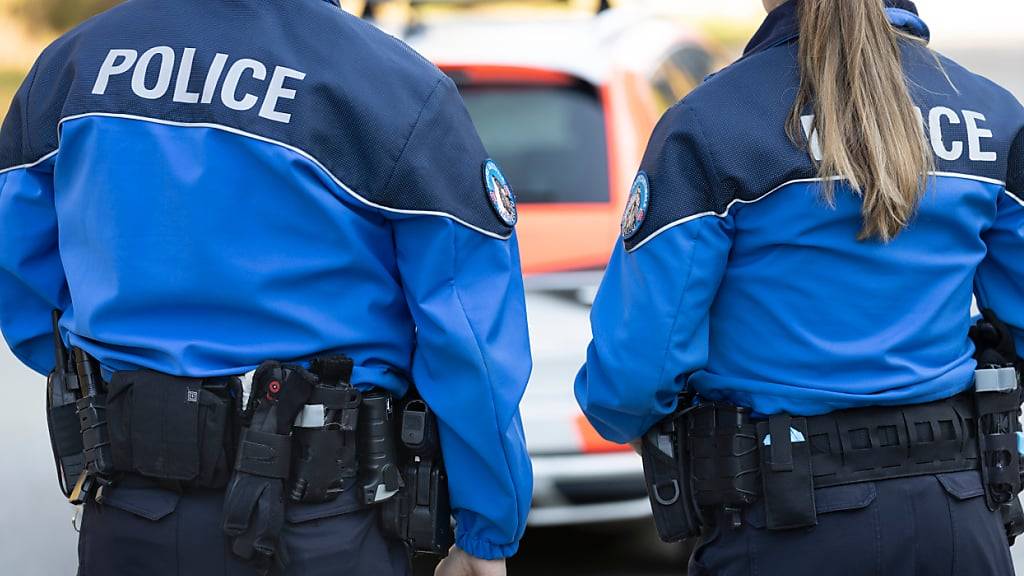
<point>869,133</point>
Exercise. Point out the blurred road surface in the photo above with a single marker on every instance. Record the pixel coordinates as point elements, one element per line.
<point>36,536</point>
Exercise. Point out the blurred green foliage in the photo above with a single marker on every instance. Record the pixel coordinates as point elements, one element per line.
<point>61,14</point>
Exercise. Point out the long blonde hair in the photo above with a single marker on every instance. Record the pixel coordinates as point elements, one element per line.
<point>865,123</point>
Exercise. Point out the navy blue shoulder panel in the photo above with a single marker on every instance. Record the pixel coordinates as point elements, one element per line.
<point>680,172</point>
<point>1015,177</point>
<point>300,73</point>
<point>971,121</point>
<point>16,147</point>
<point>726,142</point>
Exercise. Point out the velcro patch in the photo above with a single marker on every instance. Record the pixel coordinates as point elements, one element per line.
<point>503,200</point>
<point>636,206</point>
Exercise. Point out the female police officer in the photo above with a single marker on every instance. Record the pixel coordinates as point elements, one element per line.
<point>802,248</point>
<point>202,186</point>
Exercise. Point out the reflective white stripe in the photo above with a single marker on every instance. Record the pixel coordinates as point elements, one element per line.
<point>298,151</point>
<point>1014,196</point>
<point>725,213</point>
<point>970,177</point>
<point>31,164</point>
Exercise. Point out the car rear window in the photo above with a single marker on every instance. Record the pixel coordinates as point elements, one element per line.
<point>549,140</point>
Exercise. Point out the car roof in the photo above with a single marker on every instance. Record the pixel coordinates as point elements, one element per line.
<point>589,47</point>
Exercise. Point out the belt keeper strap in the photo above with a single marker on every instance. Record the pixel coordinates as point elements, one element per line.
<point>345,399</point>
<point>264,454</point>
<point>334,398</point>
<point>780,453</point>
<point>333,370</point>
<point>786,473</point>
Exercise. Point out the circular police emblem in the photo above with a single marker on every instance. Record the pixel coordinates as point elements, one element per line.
<point>636,206</point>
<point>503,200</point>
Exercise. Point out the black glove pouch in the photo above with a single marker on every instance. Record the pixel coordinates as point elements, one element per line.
<point>667,473</point>
<point>170,428</point>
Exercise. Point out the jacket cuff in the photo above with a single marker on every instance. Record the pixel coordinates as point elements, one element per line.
<point>484,549</point>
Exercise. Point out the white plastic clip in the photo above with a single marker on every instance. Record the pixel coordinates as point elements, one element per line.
<point>995,379</point>
<point>312,416</point>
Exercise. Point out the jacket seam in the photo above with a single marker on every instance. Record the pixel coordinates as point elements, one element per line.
<point>1016,197</point>
<point>710,164</point>
<point>412,133</point>
<point>26,133</point>
<point>30,165</point>
<point>490,384</point>
<point>742,201</point>
<point>304,154</point>
<point>679,306</point>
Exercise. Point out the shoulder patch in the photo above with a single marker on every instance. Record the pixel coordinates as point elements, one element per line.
<point>636,206</point>
<point>503,200</point>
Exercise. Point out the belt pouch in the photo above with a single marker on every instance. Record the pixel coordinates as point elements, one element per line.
<point>668,474</point>
<point>216,444</point>
<point>786,473</point>
<point>998,414</point>
<point>154,422</point>
<point>324,455</point>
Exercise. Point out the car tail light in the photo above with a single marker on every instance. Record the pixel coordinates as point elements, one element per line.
<point>592,443</point>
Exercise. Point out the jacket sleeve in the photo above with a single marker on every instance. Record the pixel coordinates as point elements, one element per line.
<point>650,317</point>
<point>32,281</point>
<point>999,282</point>
<point>464,289</point>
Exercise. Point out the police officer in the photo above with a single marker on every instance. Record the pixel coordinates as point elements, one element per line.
<point>809,228</point>
<point>202,186</point>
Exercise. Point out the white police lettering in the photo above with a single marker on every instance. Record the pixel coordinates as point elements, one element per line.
<point>939,120</point>
<point>163,81</point>
<point>181,93</point>
<point>117,62</point>
<point>230,89</point>
<point>815,141</point>
<point>956,149</point>
<point>230,82</point>
<point>276,91</point>
<point>213,77</point>
<point>974,136</point>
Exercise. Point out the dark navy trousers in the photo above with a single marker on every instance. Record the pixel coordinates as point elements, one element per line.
<point>923,526</point>
<point>144,530</point>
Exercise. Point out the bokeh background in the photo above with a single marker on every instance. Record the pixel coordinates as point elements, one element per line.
<point>36,533</point>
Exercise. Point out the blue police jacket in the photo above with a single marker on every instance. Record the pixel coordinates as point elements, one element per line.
<point>736,279</point>
<point>202,185</point>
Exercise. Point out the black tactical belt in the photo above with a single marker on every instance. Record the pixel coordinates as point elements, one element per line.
<point>882,443</point>
<point>798,455</point>
<point>730,451</point>
<point>713,457</point>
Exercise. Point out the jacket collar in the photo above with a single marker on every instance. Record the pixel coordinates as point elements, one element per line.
<point>782,24</point>
<point>334,2</point>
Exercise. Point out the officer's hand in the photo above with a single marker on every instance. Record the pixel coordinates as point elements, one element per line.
<point>459,563</point>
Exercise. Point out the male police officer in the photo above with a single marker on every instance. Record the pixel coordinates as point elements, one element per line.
<point>201,186</point>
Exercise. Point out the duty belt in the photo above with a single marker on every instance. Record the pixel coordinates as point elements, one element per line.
<point>181,433</point>
<point>717,457</point>
<point>735,458</point>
